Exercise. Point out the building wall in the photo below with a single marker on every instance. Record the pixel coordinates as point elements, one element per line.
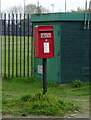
<point>71,60</point>
<point>74,51</point>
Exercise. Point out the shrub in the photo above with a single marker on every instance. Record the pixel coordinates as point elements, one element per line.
<point>25,98</point>
<point>77,83</point>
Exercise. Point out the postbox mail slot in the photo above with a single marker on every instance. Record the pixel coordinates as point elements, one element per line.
<point>44,41</point>
<point>46,30</point>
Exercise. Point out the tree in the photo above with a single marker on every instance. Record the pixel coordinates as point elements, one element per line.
<point>15,10</point>
<point>32,8</point>
<point>29,9</point>
<point>81,10</point>
<point>44,10</point>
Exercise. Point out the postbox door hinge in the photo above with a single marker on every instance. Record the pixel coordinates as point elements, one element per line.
<point>58,53</point>
<point>58,74</point>
<point>58,32</point>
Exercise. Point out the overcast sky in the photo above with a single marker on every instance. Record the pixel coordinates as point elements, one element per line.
<point>58,4</point>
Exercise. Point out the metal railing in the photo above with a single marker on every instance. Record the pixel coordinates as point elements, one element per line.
<point>16,45</point>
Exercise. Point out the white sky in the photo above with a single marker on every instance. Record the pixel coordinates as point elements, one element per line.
<point>58,4</point>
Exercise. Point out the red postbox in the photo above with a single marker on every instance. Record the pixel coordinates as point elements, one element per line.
<point>44,41</point>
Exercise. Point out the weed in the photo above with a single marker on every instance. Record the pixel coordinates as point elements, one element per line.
<point>25,98</point>
<point>77,83</point>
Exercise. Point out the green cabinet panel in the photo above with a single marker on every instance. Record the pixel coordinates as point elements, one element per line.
<point>53,64</point>
<point>74,52</point>
<point>71,47</point>
<point>59,17</point>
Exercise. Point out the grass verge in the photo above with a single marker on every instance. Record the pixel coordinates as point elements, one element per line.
<point>23,96</point>
<point>39,104</point>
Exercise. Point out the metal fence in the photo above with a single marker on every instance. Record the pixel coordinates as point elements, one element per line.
<point>16,45</point>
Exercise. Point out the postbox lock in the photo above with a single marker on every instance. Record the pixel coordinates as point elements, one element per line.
<point>46,40</point>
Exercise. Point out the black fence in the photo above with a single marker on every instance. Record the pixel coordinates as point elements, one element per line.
<point>16,45</point>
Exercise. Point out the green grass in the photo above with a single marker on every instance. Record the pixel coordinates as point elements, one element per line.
<point>22,58</point>
<point>39,104</point>
<point>23,96</point>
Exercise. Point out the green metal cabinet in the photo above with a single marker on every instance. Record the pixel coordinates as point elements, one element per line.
<point>71,47</point>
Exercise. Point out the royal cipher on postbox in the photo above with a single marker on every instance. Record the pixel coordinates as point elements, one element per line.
<point>44,41</point>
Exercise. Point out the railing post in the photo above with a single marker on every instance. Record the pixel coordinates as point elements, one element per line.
<point>5,45</point>
<point>16,45</point>
<point>20,33</point>
<point>32,52</point>
<point>0,47</point>
<point>12,45</point>
<point>24,47</point>
<point>8,45</point>
<point>28,48</point>
<point>0,65</point>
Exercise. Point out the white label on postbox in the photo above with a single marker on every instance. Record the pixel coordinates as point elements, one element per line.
<point>43,35</point>
<point>40,69</point>
<point>46,47</point>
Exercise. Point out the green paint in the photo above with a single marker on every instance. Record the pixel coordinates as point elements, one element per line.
<point>71,47</point>
<point>59,17</point>
<point>52,69</point>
